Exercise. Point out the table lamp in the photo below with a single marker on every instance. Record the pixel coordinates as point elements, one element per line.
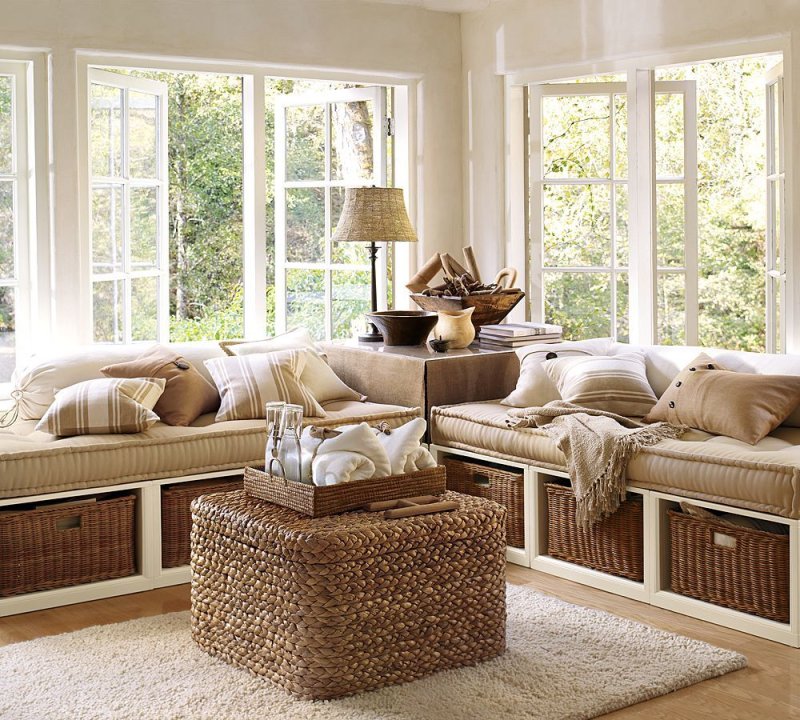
<point>372,215</point>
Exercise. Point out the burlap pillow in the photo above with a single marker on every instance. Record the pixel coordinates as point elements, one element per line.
<point>103,406</point>
<point>616,383</point>
<point>246,383</point>
<point>744,406</point>
<point>187,395</point>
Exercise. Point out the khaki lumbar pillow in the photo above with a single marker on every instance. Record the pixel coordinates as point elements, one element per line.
<point>103,406</point>
<point>246,383</point>
<point>744,406</point>
<point>187,395</point>
<point>616,383</point>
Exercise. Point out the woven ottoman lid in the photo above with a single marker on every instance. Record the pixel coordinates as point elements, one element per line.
<point>333,539</point>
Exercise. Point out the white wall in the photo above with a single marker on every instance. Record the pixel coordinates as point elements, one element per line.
<point>549,39</point>
<point>347,35</point>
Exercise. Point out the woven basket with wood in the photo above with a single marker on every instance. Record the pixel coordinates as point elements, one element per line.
<point>739,568</point>
<point>614,545</point>
<point>320,501</point>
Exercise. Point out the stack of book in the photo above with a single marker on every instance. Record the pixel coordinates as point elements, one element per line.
<point>514,335</point>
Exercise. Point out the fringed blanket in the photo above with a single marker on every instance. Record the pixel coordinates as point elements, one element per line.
<point>597,446</point>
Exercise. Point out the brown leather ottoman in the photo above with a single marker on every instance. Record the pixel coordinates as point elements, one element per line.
<point>337,605</point>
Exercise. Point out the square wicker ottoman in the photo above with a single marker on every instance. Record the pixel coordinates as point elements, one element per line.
<point>338,605</point>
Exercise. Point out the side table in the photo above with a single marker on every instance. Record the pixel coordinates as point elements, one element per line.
<point>415,376</point>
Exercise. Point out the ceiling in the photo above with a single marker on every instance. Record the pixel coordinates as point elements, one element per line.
<point>452,6</point>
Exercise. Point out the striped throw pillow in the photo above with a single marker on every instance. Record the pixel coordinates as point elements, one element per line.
<point>247,382</point>
<point>616,383</point>
<point>106,405</point>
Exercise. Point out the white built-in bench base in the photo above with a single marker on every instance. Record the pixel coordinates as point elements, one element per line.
<point>655,589</point>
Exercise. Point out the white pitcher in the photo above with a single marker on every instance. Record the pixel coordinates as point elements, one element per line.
<point>456,327</point>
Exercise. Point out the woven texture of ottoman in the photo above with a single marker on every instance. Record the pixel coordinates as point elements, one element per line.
<point>337,605</point>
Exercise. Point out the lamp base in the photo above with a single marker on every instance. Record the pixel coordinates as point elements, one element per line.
<point>372,334</point>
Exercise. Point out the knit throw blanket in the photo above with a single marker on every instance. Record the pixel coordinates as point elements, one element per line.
<point>597,446</point>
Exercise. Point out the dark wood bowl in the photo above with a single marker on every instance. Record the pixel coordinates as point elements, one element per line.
<point>403,327</point>
<point>489,309</point>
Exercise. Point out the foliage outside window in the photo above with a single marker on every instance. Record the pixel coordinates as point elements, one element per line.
<point>8,226</point>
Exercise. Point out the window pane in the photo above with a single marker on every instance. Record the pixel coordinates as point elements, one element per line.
<point>305,300</point>
<point>577,225</point>
<point>351,299</point>
<point>580,302</point>
<point>305,143</point>
<point>305,224</point>
<point>621,225</point>
<point>671,328</point>
<point>144,308</point>
<point>669,135</point>
<point>142,135</point>
<point>351,141</point>
<point>7,264</point>
<point>775,100</point>
<point>107,247</point>
<point>777,199</point>
<point>623,322</point>
<point>6,124</point>
<point>7,331</point>
<point>106,129</point>
<point>576,136</point>
<point>144,228</point>
<point>620,136</point>
<point>670,224</point>
<point>107,306</point>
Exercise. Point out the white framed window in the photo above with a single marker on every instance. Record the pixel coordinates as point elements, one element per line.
<point>129,211</point>
<point>325,141</point>
<point>776,233</point>
<point>580,255</point>
<point>16,178</point>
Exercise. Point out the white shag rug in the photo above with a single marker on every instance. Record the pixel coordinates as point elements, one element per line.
<point>563,662</point>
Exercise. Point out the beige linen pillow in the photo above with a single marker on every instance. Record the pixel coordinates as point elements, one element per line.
<point>187,395</point>
<point>246,383</point>
<point>616,384</point>
<point>317,375</point>
<point>102,406</point>
<point>744,406</point>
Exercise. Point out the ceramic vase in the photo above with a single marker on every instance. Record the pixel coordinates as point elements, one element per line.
<point>456,327</point>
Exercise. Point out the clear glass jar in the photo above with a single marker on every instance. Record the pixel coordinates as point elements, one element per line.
<point>274,414</point>
<point>289,452</point>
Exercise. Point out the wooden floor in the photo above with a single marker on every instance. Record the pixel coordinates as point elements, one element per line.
<point>769,688</point>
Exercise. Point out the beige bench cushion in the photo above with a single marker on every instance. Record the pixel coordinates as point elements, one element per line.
<point>763,477</point>
<point>34,463</point>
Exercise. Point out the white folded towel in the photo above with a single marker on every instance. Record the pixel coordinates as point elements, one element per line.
<point>332,468</point>
<point>419,459</point>
<point>358,441</point>
<point>401,442</point>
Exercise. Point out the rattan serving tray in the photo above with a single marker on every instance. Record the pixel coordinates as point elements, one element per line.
<point>320,501</point>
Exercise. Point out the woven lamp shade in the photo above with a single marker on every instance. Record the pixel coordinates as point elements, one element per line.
<point>374,214</point>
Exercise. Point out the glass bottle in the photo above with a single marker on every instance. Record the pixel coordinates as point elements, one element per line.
<point>274,415</point>
<point>289,451</point>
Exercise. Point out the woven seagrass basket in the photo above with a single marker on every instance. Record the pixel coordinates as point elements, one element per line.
<point>614,545</point>
<point>330,500</point>
<point>176,515</point>
<point>749,572</point>
<point>503,485</point>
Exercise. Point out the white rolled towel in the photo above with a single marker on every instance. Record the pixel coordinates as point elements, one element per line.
<point>419,459</point>
<point>356,440</point>
<point>343,466</point>
<point>402,442</point>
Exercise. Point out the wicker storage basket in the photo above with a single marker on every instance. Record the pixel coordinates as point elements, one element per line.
<point>176,515</point>
<point>747,571</point>
<point>502,485</point>
<point>320,501</point>
<point>338,605</point>
<point>614,545</point>
<point>67,543</point>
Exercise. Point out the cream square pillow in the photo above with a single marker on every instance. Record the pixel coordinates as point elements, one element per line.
<point>246,383</point>
<point>102,406</point>
<point>317,375</point>
<point>616,384</point>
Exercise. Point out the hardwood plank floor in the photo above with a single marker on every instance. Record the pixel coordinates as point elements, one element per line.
<point>769,688</point>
